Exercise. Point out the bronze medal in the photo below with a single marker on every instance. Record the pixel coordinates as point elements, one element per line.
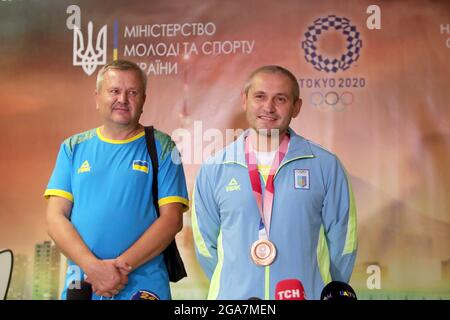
<point>263,252</point>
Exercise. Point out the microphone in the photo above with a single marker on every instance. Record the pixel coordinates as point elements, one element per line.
<point>289,289</point>
<point>338,290</point>
<point>6,268</point>
<point>82,293</point>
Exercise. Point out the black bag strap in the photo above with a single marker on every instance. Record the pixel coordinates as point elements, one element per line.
<point>151,147</point>
<point>172,258</point>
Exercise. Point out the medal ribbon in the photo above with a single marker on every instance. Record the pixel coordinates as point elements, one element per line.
<point>264,208</point>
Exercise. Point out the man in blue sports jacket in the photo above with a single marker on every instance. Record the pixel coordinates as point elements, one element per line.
<point>272,205</point>
<point>100,208</point>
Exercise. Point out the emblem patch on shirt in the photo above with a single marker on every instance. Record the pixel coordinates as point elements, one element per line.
<point>85,167</point>
<point>301,179</point>
<point>233,185</point>
<point>144,295</point>
<point>140,165</point>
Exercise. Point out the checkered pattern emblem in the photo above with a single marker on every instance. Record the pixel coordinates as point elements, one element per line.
<point>322,25</point>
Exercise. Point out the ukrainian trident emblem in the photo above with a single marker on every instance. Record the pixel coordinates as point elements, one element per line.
<point>89,58</point>
<point>85,54</point>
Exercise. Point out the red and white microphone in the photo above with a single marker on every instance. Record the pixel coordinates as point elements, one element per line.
<point>290,289</point>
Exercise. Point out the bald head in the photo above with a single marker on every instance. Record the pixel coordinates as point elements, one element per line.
<point>273,69</point>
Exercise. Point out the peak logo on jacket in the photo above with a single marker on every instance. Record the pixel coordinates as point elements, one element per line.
<point>233,185</point>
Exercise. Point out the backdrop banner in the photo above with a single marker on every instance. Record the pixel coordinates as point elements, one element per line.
<point>374,80</point>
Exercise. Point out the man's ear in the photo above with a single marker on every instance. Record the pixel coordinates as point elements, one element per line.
<point>144,97</point>
<point>244,101</point>
<point>297,107</point>
<point>96,99</point>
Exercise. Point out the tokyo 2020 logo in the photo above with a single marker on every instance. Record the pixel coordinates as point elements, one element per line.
<point>332,64</point>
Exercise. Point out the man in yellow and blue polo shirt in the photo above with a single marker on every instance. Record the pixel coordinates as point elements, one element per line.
<point>309,231</point>
<point>100,207</point>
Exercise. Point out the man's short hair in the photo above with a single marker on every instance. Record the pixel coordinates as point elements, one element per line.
<point>274,69</point>
<point>124,65</point>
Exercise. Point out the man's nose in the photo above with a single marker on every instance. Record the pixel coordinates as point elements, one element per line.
<point>123,97</point>
<point>269,106</point>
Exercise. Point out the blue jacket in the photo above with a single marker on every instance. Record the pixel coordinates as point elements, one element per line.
<point>313,222</point>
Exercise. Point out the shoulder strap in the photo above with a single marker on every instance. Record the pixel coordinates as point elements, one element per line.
<point>151,147</point>
<point>172,257</point>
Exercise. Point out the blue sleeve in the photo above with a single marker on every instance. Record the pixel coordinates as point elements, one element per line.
<point>339,217</point>
<point>60,183</point>
<point>171,179</point>
<point>205,223</point>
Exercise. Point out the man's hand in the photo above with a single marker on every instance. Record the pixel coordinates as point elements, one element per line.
<point>123,267</point>
<point>106,279</point>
